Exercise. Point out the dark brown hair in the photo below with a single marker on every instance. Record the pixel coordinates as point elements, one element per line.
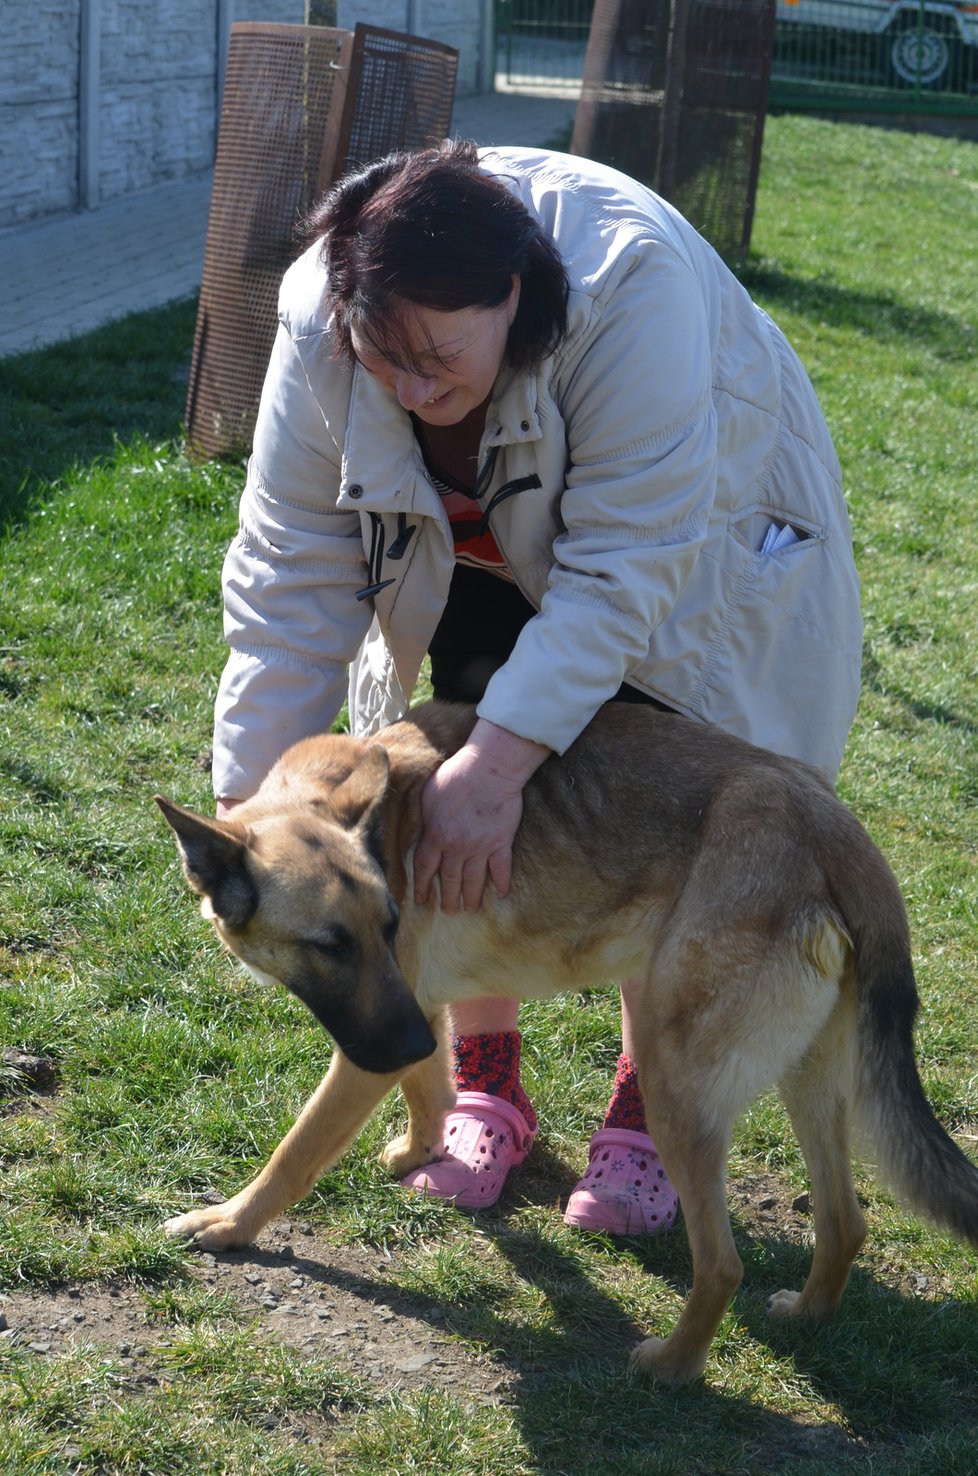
<point>430,228</point>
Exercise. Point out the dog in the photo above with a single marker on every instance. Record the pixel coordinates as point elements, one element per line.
<point>766,928</point>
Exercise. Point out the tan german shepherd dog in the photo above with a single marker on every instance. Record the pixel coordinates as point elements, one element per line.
<point>767,930</point>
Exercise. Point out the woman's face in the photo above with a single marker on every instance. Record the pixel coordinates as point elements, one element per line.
<point>454,358</point>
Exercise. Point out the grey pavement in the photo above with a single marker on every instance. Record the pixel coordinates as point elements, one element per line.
<point>69,274</point>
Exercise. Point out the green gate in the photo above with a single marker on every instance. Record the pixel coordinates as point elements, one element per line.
<point>876,55</point>
<point>541,43</point>
<point>858,55</point>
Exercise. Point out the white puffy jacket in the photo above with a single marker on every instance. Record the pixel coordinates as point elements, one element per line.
<point>634,474</point>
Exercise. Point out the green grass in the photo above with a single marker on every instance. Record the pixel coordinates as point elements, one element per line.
<point>177,1073</point>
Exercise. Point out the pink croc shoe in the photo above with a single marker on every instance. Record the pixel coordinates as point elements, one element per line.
<point>624,1190</point>
<point>484,1138</point>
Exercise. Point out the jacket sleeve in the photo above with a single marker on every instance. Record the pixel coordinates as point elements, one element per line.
<point>636,399</point>
<point>291,619</point>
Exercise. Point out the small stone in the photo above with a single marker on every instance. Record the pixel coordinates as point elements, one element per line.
<point>124,1350</point>
<point>297,1282</point>
<point>212,1196</point>
<point>4,1324</point>
<point>37,1072</point>
<point>768,1202</point>
<point>252,1278</point>
<point>39,1347</point>
<point>286,1253</point>
<point>417,1363</point>
<point>802,1204</point>
<point>270,1302</point>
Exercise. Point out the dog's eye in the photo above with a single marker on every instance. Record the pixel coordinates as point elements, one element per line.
<point>338,943</point>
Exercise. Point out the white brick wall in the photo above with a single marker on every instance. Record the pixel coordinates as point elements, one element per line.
<point>157,110</point>
<point>457,23</point>
<point>38,108</point>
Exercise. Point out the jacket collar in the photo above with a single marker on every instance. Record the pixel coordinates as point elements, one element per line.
<point>383,470</point>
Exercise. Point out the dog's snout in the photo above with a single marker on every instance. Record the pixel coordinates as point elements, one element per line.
<point>417,1043</point>
<point>394,1046</point>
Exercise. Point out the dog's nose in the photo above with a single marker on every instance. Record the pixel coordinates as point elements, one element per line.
<point>418,1042</point>
<point>395,1048</point>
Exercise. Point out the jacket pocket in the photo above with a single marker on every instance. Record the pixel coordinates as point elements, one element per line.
<point>750,529</point>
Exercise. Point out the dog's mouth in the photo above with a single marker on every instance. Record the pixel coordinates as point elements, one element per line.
<point>383,1033</point>
<point>385,1056</point>
<point>380,1028</point>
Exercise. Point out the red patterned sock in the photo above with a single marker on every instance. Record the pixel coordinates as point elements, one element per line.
<point>491,1064</point>
<point>626,1108</point>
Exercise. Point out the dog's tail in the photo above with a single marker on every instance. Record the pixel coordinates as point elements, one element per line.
<point>915,1155</point>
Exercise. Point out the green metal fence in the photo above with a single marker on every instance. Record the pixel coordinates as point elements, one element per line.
<point>856,55</point>
<point>541,43</point>
<point>876,55</point>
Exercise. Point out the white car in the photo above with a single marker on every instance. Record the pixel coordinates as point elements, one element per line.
<point>929,44</point>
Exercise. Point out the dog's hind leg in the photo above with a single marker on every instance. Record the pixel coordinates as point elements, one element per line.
<point>693,1146</point>
<point>429,1093</point>
<point>817,1094</point>
<point>327,1124</point>
<point>729,1005</point>
<point>690,1117</point>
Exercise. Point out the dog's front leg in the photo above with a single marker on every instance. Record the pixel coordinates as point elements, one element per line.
<point>429,1093</point>
<point>328,1123</point>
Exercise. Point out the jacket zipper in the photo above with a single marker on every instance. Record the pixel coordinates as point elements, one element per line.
<point>375,560</point>
<point>405,530</point>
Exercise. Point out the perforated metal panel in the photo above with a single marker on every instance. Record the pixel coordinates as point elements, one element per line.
<point>301,103</point>
<point>403,97</point>
<point>674,94</point>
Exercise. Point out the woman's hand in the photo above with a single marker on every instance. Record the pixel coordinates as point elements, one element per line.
<point>470,811</point>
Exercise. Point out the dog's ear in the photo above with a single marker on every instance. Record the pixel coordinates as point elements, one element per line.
<point>358,803</point>
<point>214,854</point>
<point>358,800</point>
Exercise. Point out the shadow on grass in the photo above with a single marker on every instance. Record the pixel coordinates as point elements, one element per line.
<point>928,712</point>
<point>895,1365</point>
<point>894,1374</point>
<point>69,404</point>
<point>879,315</point>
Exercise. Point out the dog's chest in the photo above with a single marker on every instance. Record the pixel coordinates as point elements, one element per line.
<point>467,955</point>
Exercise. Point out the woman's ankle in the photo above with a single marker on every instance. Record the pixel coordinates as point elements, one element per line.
<point>626,1108</point>
<point>490,1063</point>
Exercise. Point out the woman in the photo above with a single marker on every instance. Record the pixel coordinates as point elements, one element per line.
<point>520,417</point>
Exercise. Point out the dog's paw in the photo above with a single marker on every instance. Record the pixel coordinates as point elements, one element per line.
<point>784,1304</point>
<point>405,1154</point>
<point>208,1229</point>
<point>659,1359</point>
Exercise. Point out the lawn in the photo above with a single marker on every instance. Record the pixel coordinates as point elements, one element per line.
<point>175,1074</point>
